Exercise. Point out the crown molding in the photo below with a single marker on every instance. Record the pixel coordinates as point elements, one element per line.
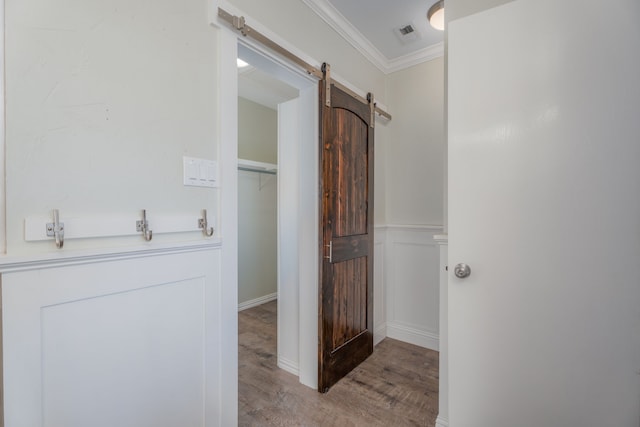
<point>415,58</point>
<point>338,22</point>
<point>347,31</point>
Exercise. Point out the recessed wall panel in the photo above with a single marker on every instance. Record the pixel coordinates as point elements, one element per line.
<point>133,358</point>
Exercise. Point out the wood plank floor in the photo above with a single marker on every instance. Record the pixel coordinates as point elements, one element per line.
<point>396,386</point>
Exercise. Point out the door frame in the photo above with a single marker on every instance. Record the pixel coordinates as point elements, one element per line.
<point>297,210</point>
<point>3,200</point>
<point>305,333</point>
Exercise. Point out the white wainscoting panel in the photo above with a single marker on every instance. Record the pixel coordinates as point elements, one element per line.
<point>443,377</point>
<point>379,317</point>
<point>412,284</point>
<point>114,342</point>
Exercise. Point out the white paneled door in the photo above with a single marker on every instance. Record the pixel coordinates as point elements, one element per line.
<point>544,181</point>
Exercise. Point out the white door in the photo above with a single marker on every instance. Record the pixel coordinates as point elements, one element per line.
<point>544,181</point>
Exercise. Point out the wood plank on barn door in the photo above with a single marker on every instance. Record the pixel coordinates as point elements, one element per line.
<point>346,271</point>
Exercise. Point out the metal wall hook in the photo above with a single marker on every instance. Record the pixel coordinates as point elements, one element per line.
<point>202,223</point>
<point>55,229</point>
<point>143,226</point>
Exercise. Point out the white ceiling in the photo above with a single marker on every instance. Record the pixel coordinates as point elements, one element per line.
<point>372,27</point>
<point>262,88</point>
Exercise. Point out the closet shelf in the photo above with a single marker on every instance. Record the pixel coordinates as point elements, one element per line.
<point>260,167</point>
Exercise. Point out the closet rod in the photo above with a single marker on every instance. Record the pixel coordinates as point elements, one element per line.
<point>241,168</point>
<point>238,23</point>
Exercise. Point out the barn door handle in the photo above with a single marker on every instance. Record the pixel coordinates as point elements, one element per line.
<point>330,246</point>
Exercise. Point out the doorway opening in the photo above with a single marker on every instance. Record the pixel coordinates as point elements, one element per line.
<point>278,202</point>
<point>259,95</point>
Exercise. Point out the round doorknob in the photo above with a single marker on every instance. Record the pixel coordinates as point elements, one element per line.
<point>462,270</point>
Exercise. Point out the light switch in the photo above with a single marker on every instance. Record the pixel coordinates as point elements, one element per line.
<point>200,172</point>
<point>190,171</point>
<point>211,173</point>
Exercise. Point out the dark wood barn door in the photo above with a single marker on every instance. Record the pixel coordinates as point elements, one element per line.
<point>346,270</point>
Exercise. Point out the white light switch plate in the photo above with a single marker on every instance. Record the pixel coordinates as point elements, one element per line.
<point>200,172</point>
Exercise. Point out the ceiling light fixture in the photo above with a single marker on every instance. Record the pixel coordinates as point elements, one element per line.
<point>435,15</point>
<point>241,63</point>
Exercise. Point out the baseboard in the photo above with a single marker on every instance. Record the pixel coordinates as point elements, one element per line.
<point>415,227</point>
<point>289,366</point>
<point>379,333</point>
<point>442,422</point>
<point>413,336</point>
<point>258,301</point>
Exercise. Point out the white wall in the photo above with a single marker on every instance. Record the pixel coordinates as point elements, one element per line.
<point>380,176</point>
<point>257,238</point>
<point>460,8</point>
<point>103,99</point>
<point>257,205</point>
<point>257,132</point>
<point>415,169</point>
<point>414,182</point>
